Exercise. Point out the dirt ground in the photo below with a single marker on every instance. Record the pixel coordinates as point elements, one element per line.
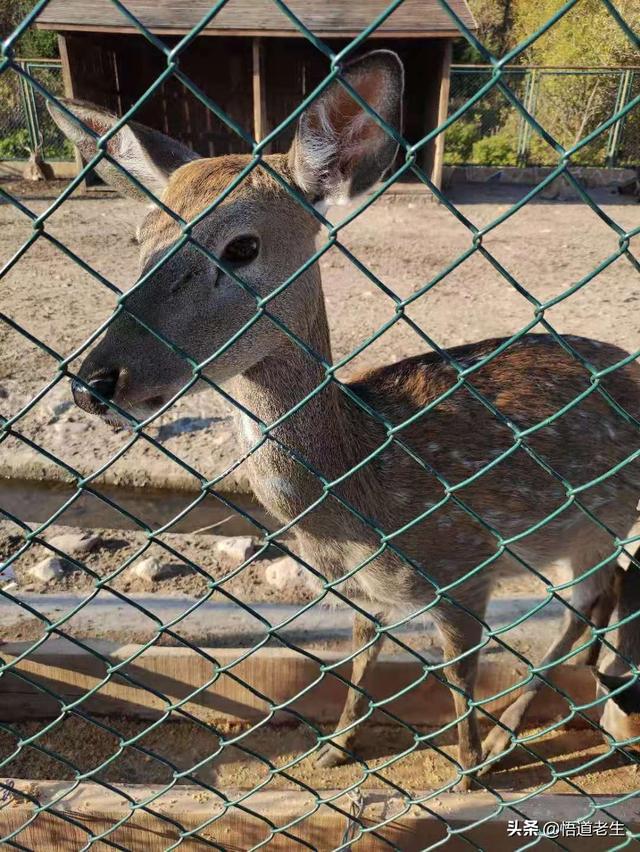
<point>547,246</point>
<point>182,745</point>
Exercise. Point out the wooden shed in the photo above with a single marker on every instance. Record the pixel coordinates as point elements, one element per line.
<point>250,59</point>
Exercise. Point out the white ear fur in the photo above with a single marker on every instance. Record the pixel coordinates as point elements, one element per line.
<point>147,154</point>
<point>339,150</point>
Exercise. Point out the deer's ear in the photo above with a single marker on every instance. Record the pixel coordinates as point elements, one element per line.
<point>340,150</point>
<point>147,154</point>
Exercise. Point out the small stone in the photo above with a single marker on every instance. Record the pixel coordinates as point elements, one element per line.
<point>47,570</point>
<point>8,574</point>
<point>236,548</point>
<point>152,569</point>
<point>285,572</point>
<point>75,544</point>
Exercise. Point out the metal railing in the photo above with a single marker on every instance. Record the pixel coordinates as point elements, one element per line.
<point>568,102</point>
<point>25,124</point>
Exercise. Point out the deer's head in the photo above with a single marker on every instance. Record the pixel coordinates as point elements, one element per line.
<point>258,231</point>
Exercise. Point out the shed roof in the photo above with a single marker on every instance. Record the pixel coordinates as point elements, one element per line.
<point>413,18</point>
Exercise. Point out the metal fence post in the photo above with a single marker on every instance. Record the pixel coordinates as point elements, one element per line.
<point>524,130</point>
<point>29,107</point>
<point>615,134</point>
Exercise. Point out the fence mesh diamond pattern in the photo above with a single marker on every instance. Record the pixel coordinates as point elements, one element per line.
<point>496,89</point>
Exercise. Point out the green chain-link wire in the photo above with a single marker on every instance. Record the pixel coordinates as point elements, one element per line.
<point>273,538</point>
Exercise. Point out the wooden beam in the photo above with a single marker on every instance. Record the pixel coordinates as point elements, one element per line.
<point>443,109</point>
<point>260,128</point>
<point>248,33</point>
<point>70,671</point>
<point>67,80</point>
<point>94,809</point>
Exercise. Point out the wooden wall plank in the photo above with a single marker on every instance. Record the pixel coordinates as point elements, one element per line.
<point>260,126</point>
<point>98,809</point>
<point>443,109</point>
<point>114,71</point>
<point>278,673</point>
<point>69,91</point>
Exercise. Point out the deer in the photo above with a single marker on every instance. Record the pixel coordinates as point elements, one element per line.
<point>365,471</point>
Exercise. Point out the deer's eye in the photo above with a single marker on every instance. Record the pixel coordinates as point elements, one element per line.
<point>241,251</point>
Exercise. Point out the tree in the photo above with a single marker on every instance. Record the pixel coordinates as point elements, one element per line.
<point>587,35</point>
<point>33,43</point>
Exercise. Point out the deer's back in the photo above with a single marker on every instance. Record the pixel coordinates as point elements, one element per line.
<point>463,451</point>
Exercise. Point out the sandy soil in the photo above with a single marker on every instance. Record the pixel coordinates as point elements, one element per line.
<point>546,246</point>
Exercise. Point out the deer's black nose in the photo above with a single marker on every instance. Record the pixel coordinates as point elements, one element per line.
<point>103,383</point>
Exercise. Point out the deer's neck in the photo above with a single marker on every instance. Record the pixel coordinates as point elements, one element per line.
<point>322,435</point>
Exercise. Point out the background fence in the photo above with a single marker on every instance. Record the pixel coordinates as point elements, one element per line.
<point>25,124</point>
<point>568,102</point>
<point>527,92</point>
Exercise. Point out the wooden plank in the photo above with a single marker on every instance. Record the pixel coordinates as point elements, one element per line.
<point>67,80</point>
<point>258,16</point>
<point>95,809</point>
<point>162,674</point>
<point>260,128</point>
<point>443,110</point>
<point>247,33</point>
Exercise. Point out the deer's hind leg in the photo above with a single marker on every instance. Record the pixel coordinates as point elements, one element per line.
<point>460,625</point>
<point>587,596</point>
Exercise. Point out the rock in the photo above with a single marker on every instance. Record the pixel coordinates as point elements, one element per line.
<point>285,572</point>
<point>152,569</point>
<point>10,587</point>
<point>75,544</point>
<point>47,569</point>
<point>237,548</point>
<point>8,574</point>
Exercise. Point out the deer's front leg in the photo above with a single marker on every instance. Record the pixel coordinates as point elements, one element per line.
<point>364,632</point>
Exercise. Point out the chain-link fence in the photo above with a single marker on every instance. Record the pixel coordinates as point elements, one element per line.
<point>568,102</point>
<point>416,484</point>
<point>25,124</point>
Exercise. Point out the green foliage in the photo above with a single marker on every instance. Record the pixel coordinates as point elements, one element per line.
<point>33,43</point>
<point>586,35</point>
<point>16,145</point>
<point>58,149</point>
<point>499,149</point>
<point>568,106</point>
<point>459,141</point>
<point>495,26</point>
